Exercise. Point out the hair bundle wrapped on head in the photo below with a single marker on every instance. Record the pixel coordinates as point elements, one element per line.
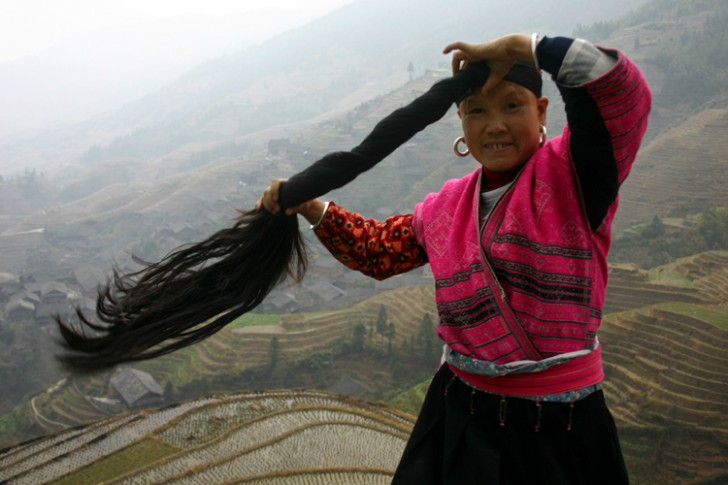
<point>196,290</point>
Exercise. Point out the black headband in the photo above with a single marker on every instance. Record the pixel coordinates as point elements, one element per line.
<point>525,74</point>
<point>522,73</point>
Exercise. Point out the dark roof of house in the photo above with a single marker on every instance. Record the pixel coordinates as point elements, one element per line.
<point>134,385</point>
<point>349,386</point>
<point>89,277</point>
<point>54,287</point>
<point>18,304</point>
<point>326,291</point>
<point>6,278</point>
<point>26,295</point>
<point>280,300</point>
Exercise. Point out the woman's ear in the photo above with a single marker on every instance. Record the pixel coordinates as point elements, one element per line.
<point>542,104</point>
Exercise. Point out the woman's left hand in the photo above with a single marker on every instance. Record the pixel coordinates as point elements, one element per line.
<point>500,54</point>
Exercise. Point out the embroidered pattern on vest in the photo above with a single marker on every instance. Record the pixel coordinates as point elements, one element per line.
<point>541,248</point>
<point>472,310</point>
<point>542,285</point>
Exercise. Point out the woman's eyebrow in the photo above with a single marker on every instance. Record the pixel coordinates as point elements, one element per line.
<point>477,98</point>
<point>513,93</point>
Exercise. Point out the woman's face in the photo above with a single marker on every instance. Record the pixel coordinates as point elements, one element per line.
<point>502,128</point>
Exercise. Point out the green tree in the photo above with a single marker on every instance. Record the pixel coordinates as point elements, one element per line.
<point>381,325</point>
<point>426,337</point>
<point>169,391</point>
<point>713,228</point>
<point>275,349</point>
<point>359,334</point>
<point>391,332</point>
<point>654,229</point>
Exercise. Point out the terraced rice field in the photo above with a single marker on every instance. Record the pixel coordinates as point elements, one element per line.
<point>709,273</point>
<point>667,370</point>
<point>690,155</point>
<point>234,350</point>
<point>666,384</point>
<point>635,290</point>
<point>291,437</point>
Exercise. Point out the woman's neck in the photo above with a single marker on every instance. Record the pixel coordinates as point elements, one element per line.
<point>494,180</point>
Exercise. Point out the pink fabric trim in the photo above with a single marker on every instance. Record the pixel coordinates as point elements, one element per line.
<point>569,376</point>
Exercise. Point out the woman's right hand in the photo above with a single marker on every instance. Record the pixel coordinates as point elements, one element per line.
<point>311,210</point>
<point>269,200</point>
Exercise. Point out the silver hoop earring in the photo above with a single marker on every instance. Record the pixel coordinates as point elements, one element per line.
<point>456,147</point>
<point>542,136</point>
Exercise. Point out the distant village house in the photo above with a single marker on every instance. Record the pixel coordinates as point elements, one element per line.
<point>137,388</point>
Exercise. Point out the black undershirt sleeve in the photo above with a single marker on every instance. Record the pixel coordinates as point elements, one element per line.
<point>592,154</point>
<point>590,142</point>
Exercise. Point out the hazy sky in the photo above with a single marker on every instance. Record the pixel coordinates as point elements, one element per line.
<point>31,26</point>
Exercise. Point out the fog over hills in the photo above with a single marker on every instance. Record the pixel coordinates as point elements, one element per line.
<point>363,47</point>
<point>101,70</point>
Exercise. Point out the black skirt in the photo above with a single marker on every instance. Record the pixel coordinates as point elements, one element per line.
<point>470,437</point>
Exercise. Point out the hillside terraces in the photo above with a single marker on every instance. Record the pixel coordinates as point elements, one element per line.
<point>404,306</point>
<point>709,273</point>
<point>668,170</point>
<point>629,289</point>
<point>234,350</point>
<point>672,404</point>
<point>288,436</point>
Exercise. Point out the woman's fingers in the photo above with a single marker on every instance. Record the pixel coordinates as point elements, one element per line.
<point>460,56</point>
<point>269,200</point>
<point>459,62</point>
<point>460,46</point>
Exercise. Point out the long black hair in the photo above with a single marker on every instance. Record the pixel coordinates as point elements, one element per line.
<point>196,290</point>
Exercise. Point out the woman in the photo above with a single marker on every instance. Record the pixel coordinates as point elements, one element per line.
<point>518,249</point>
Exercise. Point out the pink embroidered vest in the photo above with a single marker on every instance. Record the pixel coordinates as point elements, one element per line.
<point>530,282</point>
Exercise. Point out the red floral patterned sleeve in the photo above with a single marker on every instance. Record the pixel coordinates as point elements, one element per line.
<point>377,249</point>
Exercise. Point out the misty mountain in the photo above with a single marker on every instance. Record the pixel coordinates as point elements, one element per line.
<point>96,72</point>
<point>202,144</point>
<point>350,55</point>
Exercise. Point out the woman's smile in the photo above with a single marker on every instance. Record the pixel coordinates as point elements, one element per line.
<point>497,147</point>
